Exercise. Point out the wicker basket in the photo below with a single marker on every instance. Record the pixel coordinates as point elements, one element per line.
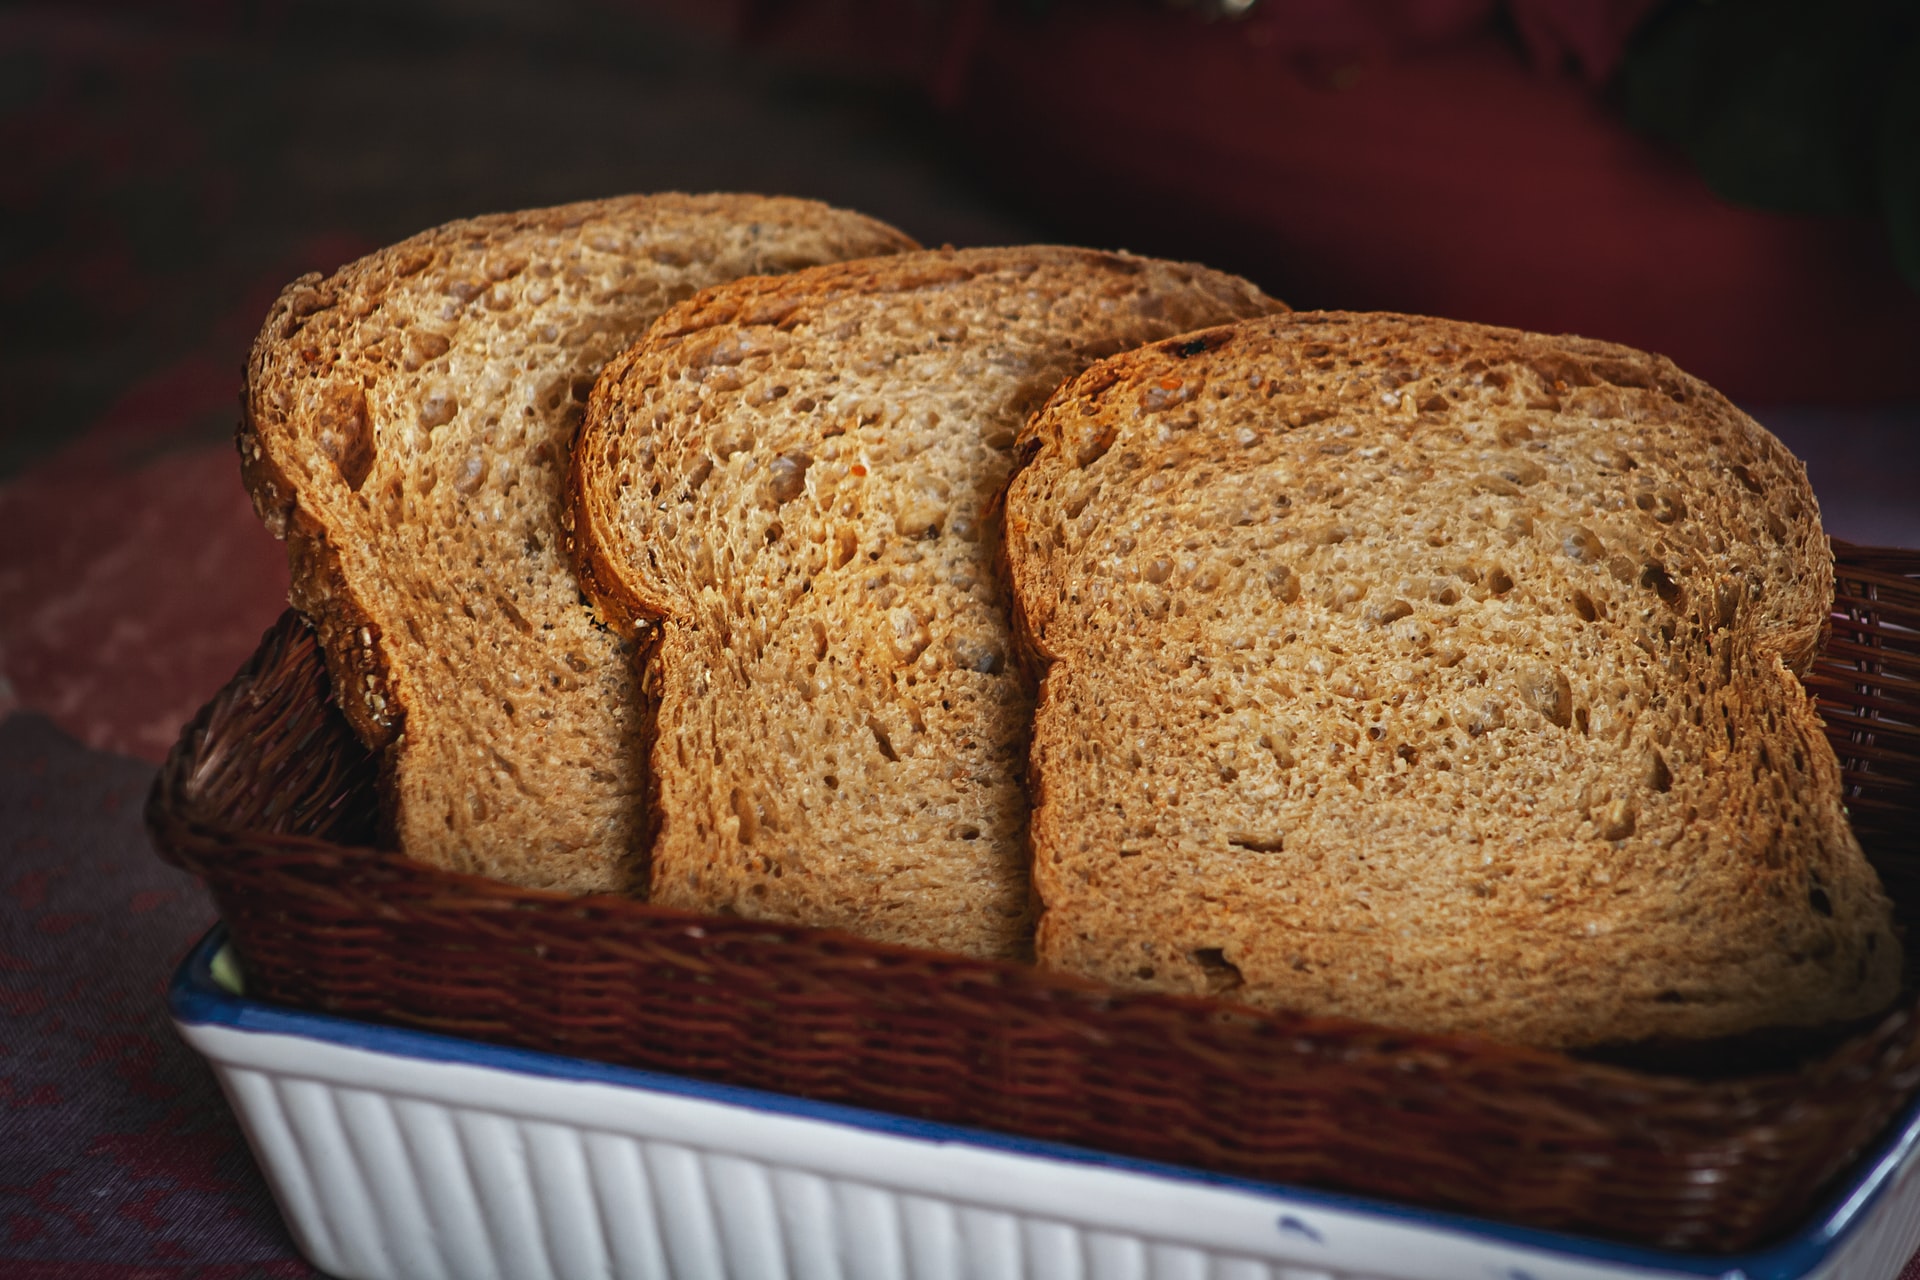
<point>268,798</point>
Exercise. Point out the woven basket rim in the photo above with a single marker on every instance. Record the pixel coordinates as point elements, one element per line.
<point>717,930</point>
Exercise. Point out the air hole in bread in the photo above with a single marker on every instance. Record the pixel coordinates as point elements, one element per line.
<point>845,543</point>
<point>1388,613</point>
<point>701,470</point>
<point>1258,842</point>
<point>1199,344</point>
<point>744,810</point>
<point>787,476</point>
<point>346,436</point>
<point>1582,545</point>
<point>1655,575</point>
<point>1616,820</point>
<point>1220,974</point>
<point>1522,471</point>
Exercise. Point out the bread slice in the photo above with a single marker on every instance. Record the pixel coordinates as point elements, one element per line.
<point>406,430</point>
<point>1439,675</point>
<point>796,479</point>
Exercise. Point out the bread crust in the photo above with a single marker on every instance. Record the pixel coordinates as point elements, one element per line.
<point>796,482</point>
<point>1440,675</point>
<point>405,429</point>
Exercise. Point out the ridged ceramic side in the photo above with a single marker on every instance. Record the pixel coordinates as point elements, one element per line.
<point>392,1162</point>
<point>383,1186</point>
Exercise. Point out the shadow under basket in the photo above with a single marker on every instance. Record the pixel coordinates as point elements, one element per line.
<point>269,799</point>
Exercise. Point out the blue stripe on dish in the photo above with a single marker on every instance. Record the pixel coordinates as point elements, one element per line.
<point>196,997</point>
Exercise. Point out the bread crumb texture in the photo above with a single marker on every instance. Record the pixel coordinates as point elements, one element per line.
<point>1438,675</point>
<point>796,482</point>
<point>406,429</point>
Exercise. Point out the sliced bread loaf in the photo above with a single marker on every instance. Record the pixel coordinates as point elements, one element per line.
<point>406,428</point>
<point>1438,675</point>
<point>795,481</point>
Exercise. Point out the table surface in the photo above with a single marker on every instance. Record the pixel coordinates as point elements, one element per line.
<point>134,576</point>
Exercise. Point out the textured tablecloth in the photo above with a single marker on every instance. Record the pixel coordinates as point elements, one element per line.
<point>118,1156</point>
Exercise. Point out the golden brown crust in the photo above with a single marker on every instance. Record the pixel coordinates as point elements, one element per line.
<point>318,585</point>
<point>406,428</point>
<point>600,579</point>
<point>348,635</point>
<point>1402,668</point>
<point>797,480</point>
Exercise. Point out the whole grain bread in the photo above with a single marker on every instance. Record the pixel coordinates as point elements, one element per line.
<point>1439,675</point>
<point>796,482</point>
<point>406,428</point>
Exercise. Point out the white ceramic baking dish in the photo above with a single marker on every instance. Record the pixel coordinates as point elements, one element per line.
<point>403,1155</point>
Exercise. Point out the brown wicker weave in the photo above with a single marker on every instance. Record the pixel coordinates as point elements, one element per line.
<point>268,798</point>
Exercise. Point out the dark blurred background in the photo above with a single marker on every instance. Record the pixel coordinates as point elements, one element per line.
<point>1735,185</point>
<point>171,166</point>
